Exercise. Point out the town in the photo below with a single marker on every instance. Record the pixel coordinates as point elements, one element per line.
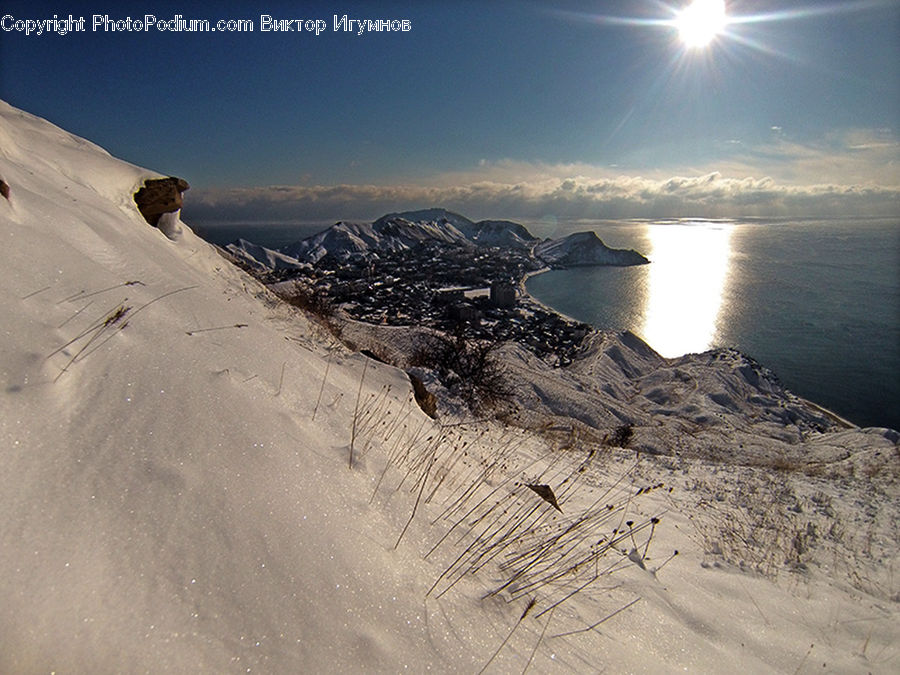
<point>478,291</point>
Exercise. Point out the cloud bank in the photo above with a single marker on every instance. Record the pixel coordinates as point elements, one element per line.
<point>853,174</point>
<point>709,196</point>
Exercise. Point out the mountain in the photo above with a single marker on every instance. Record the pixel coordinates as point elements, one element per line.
<point>402,231</point>
<point>502,233</point>
<point>584,248</point>
<point>261,258</point>
<point>197,478</point>
<point>391,233</point>
<point>433,215</point>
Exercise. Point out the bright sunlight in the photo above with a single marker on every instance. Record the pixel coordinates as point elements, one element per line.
<point>700,22</point>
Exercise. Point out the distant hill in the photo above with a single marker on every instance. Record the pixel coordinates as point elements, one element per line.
<point>433,215</point>
<point>585,248</point>
<point>401,231</point>
<point>390,233</point>
<point>503,233</point>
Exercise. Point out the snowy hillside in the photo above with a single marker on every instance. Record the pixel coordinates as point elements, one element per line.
<point>584,248</point>
<point>262,258</point>
<point>345,240</point>
<point>503,233</point>
<point>197,478</point>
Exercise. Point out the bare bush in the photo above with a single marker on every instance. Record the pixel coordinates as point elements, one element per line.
<point>317,305</point>
<point>621,437</point>
<point>469,368</point>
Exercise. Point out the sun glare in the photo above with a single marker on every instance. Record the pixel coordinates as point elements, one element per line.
<point>700,22</point>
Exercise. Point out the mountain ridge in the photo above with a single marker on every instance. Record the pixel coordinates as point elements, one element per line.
<point>404,230</point>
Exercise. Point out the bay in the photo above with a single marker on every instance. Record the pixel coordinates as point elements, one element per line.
<point>818,302</point>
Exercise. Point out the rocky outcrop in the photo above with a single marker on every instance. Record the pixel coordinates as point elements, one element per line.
<point>159,196</point>
<point>426,400</point>
<point>4,189</point>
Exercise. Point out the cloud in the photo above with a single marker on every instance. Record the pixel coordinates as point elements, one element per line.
<point>711,196</point>
<point>854,173</point>
<point>848,157</point>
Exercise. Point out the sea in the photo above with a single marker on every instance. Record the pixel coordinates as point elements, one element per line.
<point>815,301</point>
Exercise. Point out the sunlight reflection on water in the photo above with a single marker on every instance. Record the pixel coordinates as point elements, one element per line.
<point>687,277</point>
<point>817,301</point>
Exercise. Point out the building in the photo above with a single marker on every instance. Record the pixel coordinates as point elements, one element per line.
<point>465,312</point>
<point>451,295</point>
<point>503,294</point>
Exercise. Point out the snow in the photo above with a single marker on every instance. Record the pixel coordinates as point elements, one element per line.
<point>261,258</point>
<point>178,495</point>
<point>584,248</point>
<point>402,231</point>
<point>343,240</point>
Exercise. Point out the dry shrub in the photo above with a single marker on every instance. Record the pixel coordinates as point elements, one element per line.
<point>469,368</point>
<point>316,305</point>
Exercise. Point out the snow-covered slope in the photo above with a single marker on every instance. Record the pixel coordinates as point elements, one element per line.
<point>503,233</point>
<point>584,248</point>
<point>168,504</point>
<point>346,240</point>
<point>262,258</point>
<point>194,478</point>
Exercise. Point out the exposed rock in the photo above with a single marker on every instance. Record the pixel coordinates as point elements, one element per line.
<point>545,492</point>
<point>4,189</point>
<point>426,400</point>
<point>375,357</point>
<point>159,196</point>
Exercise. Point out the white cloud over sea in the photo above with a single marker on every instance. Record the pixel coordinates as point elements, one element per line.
<point>855,173</point>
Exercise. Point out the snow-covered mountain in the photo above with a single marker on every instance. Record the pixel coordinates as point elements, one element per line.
<point>502,233</point>
<point>346,240</point>
<point>261,258</point>
<point>434,215</point>
<point>584,248</point>
<point>194,477</point>
<point>402,231</point>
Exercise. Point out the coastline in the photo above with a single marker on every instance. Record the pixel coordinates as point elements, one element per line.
<point>595,330</point>
<point>805,336</point>
<point>528,297</point>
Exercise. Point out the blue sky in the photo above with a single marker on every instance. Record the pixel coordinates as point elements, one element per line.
<point>499,109</point>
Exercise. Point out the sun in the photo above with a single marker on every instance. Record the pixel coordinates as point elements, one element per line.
<point>700,22</point>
